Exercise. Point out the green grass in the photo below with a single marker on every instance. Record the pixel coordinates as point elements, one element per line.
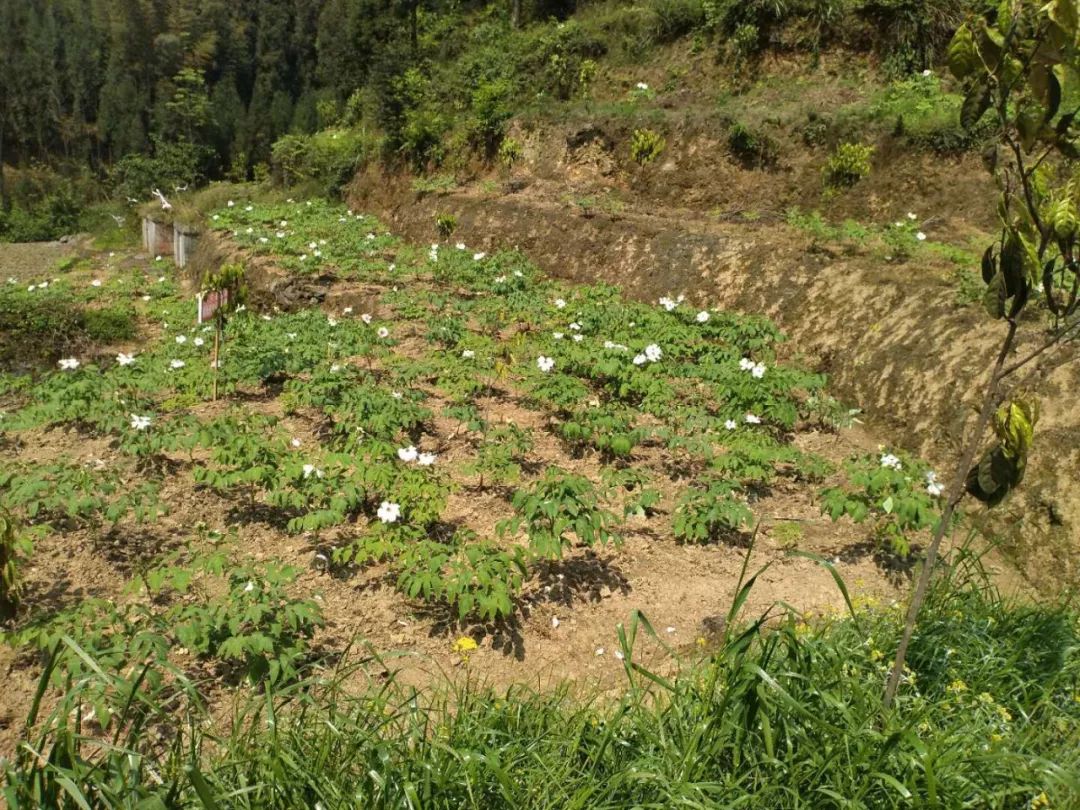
<point>780,715</point>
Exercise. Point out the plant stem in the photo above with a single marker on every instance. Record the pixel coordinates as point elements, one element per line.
<point>217,344</point>
<point>956,494</point>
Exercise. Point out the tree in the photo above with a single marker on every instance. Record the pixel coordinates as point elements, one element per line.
<point>1015,62</point>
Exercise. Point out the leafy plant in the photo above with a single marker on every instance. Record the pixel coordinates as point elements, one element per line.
<point>704,514</point>
<point>646,145</point>
<point>893,494</point>
<point>253,623</point>
<point>557,509</point>
<point>15,549</point>
<point>849,164</point>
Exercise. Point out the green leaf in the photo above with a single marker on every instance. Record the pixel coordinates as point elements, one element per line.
<point>995,296</point>
<point>975,105</point>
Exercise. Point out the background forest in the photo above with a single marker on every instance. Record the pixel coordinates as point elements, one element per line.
<point>171,93</point>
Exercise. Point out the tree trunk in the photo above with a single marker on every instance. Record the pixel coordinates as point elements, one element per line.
<point>5,200</point>
<point>515,14</point>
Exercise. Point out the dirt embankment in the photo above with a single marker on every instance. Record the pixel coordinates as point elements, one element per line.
<point>891,336</point>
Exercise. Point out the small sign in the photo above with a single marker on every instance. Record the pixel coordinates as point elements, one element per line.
<point>209,303</point>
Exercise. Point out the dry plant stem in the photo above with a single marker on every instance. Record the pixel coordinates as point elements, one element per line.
<point>956,494</point>
<point>217,344</point>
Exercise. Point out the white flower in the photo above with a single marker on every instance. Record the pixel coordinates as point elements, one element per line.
<point>653,352</point>
<point>460,246</point>
<point>161,279</point>
<point>575,327</point>
<point>295,442</point>
<point>140,422</point>
<point>407,454</point>
<point>291,335</point>
<point>157,258</point>
<point>250,586</point>
<point>176,364</point>
<point>283,224</point>
<point>280,234</point>
<point>640,360</point>
<point>96,282</point>
<point>181,339</point>
<point>758,371</point>
<point>146,298</point>
<point>396,394</point>
<point>383,332</point>
<point>392,267</point>
<point>910,216</point>
<point>389,512</point>
<point>927,72</point>
<point>198,341</point>
<point>545,364</point>
<point>751,419</point>
<point>426,459</point>
<point>933,486</point>
<point>69,364</point>
<point>578,338</point>
<point>642,86</point>
<point>500,279</point>
<point>249,208</point>
<point>231,203</point>
<point>599,651</point>
<point>347,311</point>
<point>331,321</point>
<point>555,621</point>
<point>669,629</point>
<point>335,368</point>
<point>891,461</point>
<point>668,303</point>
<point>468,354</point>
<point>476,257</point>
<point>702,317</point>
<point>619,655</point>
<point>560,303</point>
<point>558,335</point>
<point>730,424</point>
<point>125,359</point>
<point>746,364</point>
<point>311,469</point>
<point>920,236</point>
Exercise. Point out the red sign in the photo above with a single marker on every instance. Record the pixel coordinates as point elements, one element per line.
<point>209,303</point>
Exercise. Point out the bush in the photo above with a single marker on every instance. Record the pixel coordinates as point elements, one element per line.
<point>172,164</point>
<point>673,19</point>
<point>753,148</point>
<point>849,164</point>
<point>646,146</point>
<point>491,109</point>
<point>45,206</point>
<point>110,324</point>
<point>328,159</point>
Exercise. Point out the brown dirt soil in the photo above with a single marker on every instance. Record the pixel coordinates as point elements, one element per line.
<point>591,591</point>
<point>890,335</point>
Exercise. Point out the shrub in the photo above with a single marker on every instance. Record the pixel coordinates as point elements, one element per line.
<point>703,515</point>
<point>849,164</point>
<point>673,19</point>
<point>445,224</point>
<point>510,152</point>
<point>110,324</point>
<point>45,206</point>
<point>329,159</point>
<point>753,148</point>
<point>646,146</point>
<point>491,110</point>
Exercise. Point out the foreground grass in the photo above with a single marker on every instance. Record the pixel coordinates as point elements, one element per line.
<point>780,715</point>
